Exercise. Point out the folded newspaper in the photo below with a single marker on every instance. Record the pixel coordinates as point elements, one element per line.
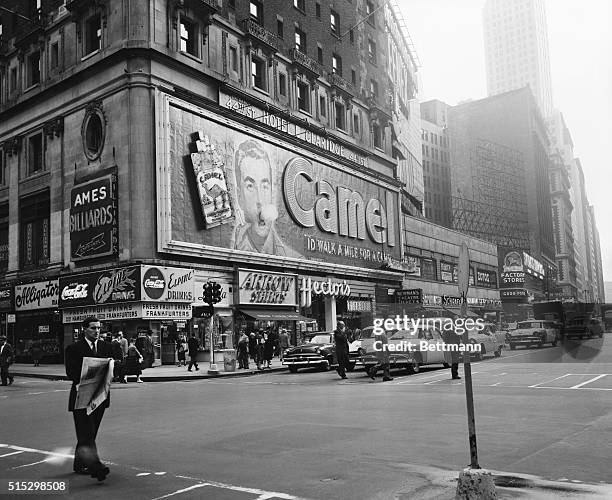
<point>94,387</point>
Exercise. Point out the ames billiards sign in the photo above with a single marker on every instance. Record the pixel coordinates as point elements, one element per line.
<point>93,218</point>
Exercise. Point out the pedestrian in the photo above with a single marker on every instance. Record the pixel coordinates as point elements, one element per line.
<point>268,351</point>
<point>342,348</point>
<point>193,345</point>
<point>6,360</point>
<point>124,343</point>
<point>382,357</point>
<point>181,349</point>
<point>86,459</point>
<point>149,353</point>
<point>37,353</point>
<point>451,338</point>
<point>118,375</point>
<point>243,352</point>
<point>133,361</point>
<point>259,348</point>
<point>253,346</point>
<point>283,342</point>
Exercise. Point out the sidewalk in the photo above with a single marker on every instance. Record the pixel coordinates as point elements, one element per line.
<point>160,373</point>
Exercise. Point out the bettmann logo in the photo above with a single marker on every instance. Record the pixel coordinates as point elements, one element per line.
<point>154,283</point>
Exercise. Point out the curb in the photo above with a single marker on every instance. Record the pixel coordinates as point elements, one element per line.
<point>161,378</point>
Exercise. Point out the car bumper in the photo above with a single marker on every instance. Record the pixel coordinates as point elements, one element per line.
<point>305,362</point>
<point>525,340</point>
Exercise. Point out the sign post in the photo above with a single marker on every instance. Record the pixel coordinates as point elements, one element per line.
<point>464,283</point>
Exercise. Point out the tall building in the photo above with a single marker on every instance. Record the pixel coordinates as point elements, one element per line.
<point>149,147</point>
<point>516,49</point>
<point>500,168</point>
<point>436,162</point>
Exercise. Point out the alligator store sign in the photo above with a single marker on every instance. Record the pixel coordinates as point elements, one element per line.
<point>41,295</point>
<point>111,286</point>
<point>93,218</point>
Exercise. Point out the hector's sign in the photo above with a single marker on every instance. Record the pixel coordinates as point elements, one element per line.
<point>93,218</point>
<point>308,287</point>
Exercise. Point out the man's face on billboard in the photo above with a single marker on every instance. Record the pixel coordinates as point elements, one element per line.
<point>256,194</point>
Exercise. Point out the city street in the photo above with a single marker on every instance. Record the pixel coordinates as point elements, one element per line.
<point>546,412</point>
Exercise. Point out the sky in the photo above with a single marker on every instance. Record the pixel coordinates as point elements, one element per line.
<point>449,42</point>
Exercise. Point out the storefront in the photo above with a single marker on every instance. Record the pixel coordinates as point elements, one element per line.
<point>38,321</point>
<point>134,299</point>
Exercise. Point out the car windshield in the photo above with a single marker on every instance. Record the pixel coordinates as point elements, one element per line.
<point>321,339</point>
<point>529,324</point>
<point>366,333</point>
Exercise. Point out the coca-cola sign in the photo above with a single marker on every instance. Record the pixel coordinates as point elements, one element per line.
<point>102,287</point>
<point>40,295</point>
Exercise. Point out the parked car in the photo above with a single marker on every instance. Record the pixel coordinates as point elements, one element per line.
<point>397,358</point>
<point>318,351</point>
<point>490,343</point>
<point>533,332</point>
<point>582,327</point>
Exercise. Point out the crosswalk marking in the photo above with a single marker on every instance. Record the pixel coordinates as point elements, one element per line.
<point>577,386</point>
<point>549,381</point>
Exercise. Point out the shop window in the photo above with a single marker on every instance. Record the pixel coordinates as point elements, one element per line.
<point>258,73</point>
<point>34,230</point>
<point>303,96</point>
<point>337,64</point>
<point>256,11</point>
<point>340,116</point>
<point>33,69</point>
<point>35,154</point>
<point>93,34</point>
<point>300,40</point>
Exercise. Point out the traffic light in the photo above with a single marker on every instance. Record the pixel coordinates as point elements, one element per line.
<point>217,291</point>
<point>207,292</point>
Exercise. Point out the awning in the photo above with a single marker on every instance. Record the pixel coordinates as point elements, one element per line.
<point>274,315</point>
<point>457,312</point>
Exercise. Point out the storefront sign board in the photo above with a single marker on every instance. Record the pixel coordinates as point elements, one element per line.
<point>40,295</point>
<point>266,288</point>
<point>167,284</point>
<point>111,286</point>
<point>133,310</point>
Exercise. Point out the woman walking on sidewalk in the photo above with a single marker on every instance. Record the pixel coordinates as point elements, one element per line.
<point>133,361</point>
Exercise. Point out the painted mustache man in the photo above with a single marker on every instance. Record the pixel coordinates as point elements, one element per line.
<point>257,200</point>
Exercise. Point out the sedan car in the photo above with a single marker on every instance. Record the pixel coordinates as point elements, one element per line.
<point>582,327</point>
<point>318,351</point>
<point>533,332</point>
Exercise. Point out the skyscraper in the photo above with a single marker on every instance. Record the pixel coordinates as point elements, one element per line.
<point>516,49</point>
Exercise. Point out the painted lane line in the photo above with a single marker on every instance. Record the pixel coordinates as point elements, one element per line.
<point>9,454</point>
<point>34,450</point>
<point>29,465</point>
<point>184,490</point>
<point>578,386</point>
<point>549,381</point>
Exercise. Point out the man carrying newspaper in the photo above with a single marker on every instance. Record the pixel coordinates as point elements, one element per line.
<point>89,365</point>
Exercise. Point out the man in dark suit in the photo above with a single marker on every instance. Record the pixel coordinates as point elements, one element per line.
<point>342,348</point>
<point>193,346</point>
<point>86,460</point>
<point>6,360</point>
<point>451,338</point>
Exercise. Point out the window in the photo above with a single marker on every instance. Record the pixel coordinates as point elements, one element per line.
<point>4,231</point>
<point>300,40</point>
<point>353,77</point>
<point>35,154</point>
<point>13,80</point>
<point>374,87</point>
<point>318,10</point>
<point>33,69</point>
<point>356,124</point>
<point>351,37</point>
<point>54,55</point>
<point>258,73</point>
<point>282,84</point>
<point>370,13</point>
<point>256,11</point>
<point>323,106</point>
<point>372,51</point>
<point>337,64</point>
<point>34,230</point>
<point>280,28</point>
<point>234,59</point>
<point>3,170</point>
<point>303,96</point>
<point>377,135</point>
<point>320,55</point>
<point>334,21</point>
<point>340,116</point>
<point>93,133</point>
<point>93,34</point>
<point>300,4</point>
<point>188,36</point>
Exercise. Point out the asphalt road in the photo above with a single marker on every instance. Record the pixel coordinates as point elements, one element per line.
<point>545,411</point>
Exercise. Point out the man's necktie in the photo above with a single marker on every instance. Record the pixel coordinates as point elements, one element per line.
<point>95,348</point>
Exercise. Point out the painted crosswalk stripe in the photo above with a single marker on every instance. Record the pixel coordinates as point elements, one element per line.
<point>184,490</point>
<point>9,454</point>
<point>29,465</point>
<point>577,386</point>
<point>549,381</point>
